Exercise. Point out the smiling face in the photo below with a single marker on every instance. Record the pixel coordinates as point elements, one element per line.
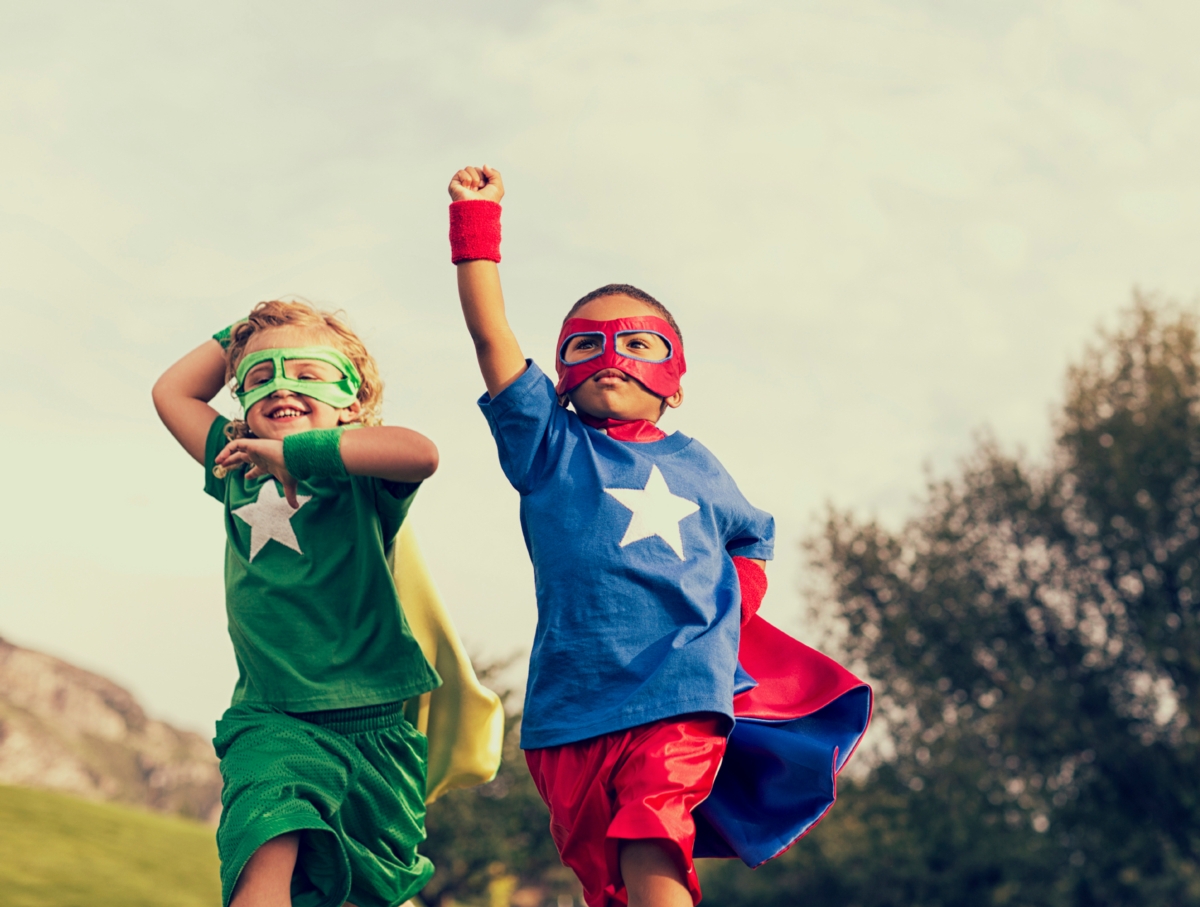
<point>610,393</point>
<point>284,412</point>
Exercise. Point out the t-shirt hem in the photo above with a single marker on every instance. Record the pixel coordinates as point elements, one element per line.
<point>345,700</point>
<point>760,551</point>
<point>537,739</point>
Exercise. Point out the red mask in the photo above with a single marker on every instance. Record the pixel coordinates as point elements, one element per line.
<point>660,377</point>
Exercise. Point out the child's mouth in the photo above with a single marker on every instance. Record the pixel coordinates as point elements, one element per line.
<point>287,413</point>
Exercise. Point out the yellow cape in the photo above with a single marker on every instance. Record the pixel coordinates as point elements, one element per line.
<point>463,720</point>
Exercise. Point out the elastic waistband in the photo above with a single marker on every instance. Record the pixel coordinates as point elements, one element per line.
<point>356,720</point>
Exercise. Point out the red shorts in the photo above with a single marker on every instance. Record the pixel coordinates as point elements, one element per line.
<point>629,785</point>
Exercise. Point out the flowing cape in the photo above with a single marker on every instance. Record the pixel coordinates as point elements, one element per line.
<point>463,720</point>
<point>799,715</point>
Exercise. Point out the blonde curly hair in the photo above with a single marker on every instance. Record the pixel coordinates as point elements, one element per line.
<point>284,313</point>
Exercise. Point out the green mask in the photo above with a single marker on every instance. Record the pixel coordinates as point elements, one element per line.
<point>338,394</point>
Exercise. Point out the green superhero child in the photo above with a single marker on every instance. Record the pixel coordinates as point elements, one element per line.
<point>325,780</point>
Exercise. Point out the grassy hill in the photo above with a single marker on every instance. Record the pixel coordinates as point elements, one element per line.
<point>57,851</point>
<point>66,729</point>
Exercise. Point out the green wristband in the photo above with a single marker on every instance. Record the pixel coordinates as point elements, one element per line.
<point>225,335</point>
<point>314,454</point>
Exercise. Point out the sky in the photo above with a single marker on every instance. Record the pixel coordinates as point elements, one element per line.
<point>883,228</point>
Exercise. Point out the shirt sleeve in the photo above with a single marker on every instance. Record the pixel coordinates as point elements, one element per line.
<point>526,421</point>
<point>392,501</point>
<point>214,444</point>
<point>751,531</point>
<point>757,537</point>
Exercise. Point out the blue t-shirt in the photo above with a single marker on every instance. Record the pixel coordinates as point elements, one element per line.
<point>638,600</point>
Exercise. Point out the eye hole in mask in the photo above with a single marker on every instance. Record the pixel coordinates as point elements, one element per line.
<point>582,347</point>
<point>338,393</point>
<point>645,355</point>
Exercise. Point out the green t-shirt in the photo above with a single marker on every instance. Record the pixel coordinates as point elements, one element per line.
<point>313,611</point>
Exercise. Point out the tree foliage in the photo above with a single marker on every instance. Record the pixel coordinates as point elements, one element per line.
<point>1033,638</point>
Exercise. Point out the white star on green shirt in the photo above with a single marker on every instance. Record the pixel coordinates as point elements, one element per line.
<point>270,517</point>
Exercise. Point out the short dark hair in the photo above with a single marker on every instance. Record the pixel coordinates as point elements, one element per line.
<point>627,289</point>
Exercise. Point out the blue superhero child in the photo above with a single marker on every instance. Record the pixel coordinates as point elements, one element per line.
<point>663,718</point>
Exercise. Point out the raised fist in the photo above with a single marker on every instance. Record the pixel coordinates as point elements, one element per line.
<point>477,182</point>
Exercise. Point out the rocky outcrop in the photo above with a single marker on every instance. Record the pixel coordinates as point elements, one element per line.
<point>66,729</point>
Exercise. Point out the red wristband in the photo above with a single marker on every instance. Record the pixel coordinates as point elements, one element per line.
<point>474,230</point>
<point>753,580</point>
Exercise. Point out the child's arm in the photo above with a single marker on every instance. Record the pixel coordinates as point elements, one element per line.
<point>181,396</point>
<point>500,358</point>
<point>385,452</point>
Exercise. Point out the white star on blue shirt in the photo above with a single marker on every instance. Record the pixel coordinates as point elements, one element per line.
<point>656,512</point>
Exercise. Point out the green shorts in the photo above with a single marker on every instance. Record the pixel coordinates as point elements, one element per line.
<point>351,781</point>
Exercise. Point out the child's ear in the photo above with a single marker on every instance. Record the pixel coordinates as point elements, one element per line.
<point>351,413</point>
<point>674,400</point>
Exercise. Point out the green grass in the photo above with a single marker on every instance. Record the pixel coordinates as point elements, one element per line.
<point>57,851</point>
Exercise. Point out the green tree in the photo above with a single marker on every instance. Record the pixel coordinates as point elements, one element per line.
<point>1032,634</point>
